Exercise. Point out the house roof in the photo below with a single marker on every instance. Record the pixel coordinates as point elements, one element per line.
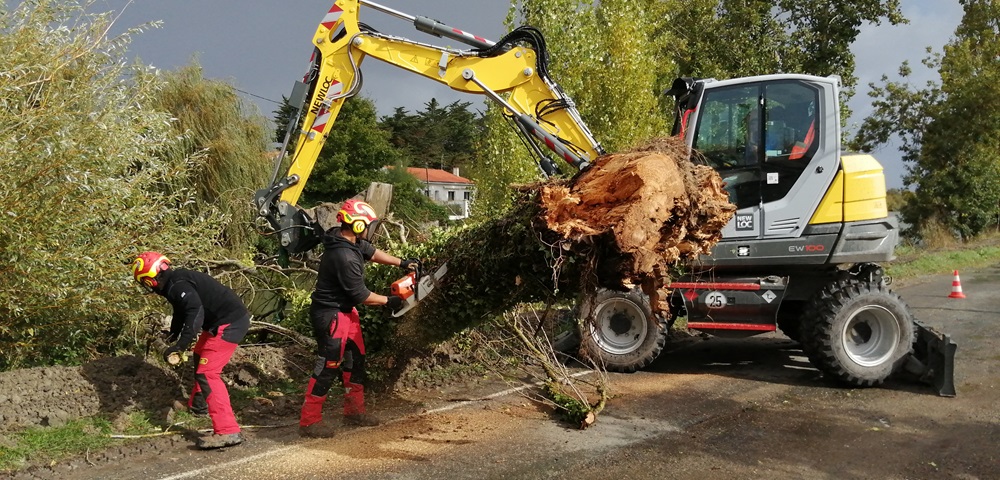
<point>435,175</point>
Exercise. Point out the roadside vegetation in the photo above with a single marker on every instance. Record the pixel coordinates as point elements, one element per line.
<point>41,444</point>
<point>104,159</point>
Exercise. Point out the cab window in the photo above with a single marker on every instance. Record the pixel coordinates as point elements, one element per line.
<point>728,132</point>
<point>728,120</point>
<point>760,137</point>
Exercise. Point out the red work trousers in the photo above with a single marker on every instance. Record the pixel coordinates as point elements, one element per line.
<point>211,354</point>
<point>340,349</point>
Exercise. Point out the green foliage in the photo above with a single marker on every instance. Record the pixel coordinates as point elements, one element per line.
<point>493,265</point>
<point>573,410</point>
<point>435,137</point>
<point>94,173</point>
<point>225,148</point>
<point>897,199</point>
<point>949,132</point>
<point>356,149</point>
<point>612,77</point>
<point>297,311</point>
<point>503,160</point>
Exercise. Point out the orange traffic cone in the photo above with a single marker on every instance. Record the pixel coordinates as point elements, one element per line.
<point>956,287</point>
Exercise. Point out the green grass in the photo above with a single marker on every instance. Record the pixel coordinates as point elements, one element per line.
<point>911,262</point>
<point>45,444</point>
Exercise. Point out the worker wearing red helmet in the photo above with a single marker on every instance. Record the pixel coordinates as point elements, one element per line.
<point>340,287</point>
<point>205,308</point>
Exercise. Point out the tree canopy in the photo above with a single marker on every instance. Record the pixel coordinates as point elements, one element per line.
<point>435,137</point>
<point>616,57</point>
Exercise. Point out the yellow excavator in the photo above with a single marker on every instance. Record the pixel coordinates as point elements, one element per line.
<point>801,255</point>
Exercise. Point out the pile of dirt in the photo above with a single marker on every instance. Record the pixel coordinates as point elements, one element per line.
<point>52,396</point>
<point>117,386</point>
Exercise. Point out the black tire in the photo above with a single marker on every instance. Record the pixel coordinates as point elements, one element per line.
<point>858,332</point>
<point>619,331</point>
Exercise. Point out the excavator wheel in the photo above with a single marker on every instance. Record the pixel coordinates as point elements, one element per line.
<point>619,331</point>
<point>858,332</point>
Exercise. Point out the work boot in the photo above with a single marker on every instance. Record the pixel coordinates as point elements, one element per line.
<point>361,420</point>
<point>218,441</point>
<point>319,429</point>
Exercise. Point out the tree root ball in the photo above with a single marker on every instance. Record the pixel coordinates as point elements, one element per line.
<point>641,212</point>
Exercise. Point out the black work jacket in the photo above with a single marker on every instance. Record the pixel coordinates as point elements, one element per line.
<point>341,280</point>
<point>201,303</point>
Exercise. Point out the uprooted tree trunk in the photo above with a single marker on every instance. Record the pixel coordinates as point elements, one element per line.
<point>623,222</point>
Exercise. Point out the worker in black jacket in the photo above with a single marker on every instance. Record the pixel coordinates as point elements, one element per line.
<point>340,287</point>
<point>210,311</point>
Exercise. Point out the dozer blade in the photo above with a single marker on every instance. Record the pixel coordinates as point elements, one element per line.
<point>933,360</point>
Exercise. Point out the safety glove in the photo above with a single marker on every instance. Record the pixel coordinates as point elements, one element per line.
<point>174,355</point>
<point>410,264</point>
<point>394,303</point>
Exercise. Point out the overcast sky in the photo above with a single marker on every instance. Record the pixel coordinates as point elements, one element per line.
<point>263,46</point>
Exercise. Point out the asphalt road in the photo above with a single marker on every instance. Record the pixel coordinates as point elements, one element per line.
<point>750,408</point>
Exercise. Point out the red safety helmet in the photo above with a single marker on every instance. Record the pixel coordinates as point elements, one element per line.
<point>147,266</point>
<point>359,215</point>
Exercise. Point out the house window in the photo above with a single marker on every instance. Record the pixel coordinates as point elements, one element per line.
<point>468,195</point>
<point>451,196</point>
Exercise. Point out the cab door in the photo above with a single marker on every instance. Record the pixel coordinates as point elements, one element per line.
<point>800,153</point>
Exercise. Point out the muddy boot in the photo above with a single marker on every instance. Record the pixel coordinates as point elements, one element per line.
<point>362,420</point>
<point>219,441</point>
<point>317,430</point>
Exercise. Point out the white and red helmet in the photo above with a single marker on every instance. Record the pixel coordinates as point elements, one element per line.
<point>359,215</point>
<point>147,266</point>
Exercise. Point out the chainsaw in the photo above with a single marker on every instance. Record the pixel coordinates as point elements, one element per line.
<point>415,286</point>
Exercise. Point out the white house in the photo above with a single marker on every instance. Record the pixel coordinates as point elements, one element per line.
<point>446,188</point>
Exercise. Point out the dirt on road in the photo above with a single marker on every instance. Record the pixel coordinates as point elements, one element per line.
<point>707,408</point>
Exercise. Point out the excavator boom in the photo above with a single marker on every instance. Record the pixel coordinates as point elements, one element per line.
<point>511,72</point>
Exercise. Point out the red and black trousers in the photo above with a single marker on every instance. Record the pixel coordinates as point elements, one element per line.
<point>209,395</point>
<point>340,351</point>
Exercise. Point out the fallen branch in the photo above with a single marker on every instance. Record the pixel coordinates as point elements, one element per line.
<point>304,341</point>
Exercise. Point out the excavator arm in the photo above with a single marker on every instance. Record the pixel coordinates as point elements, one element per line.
<point>511,72</point>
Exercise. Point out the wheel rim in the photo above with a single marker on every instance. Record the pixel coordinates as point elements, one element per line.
<point>871,335</point>
<point>619,326</point>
